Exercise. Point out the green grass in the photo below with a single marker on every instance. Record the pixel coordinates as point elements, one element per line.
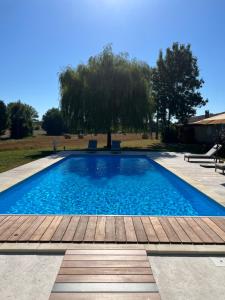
<point>13,158</point>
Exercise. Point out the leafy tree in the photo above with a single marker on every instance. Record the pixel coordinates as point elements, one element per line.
<point>109,92</point>
<point>20,120</point>
<point>3,117</point>
<point>52,122</point>
<point>33,113</point>
<point>176,84</point>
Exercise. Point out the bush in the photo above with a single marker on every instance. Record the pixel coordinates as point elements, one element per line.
<point>144,136</point>
<point>20,120</point>
<point>53,122</point>
<point>170,134</point>
<point>3,117</point>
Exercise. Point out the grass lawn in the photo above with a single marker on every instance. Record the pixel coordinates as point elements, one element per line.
<point>14,153</point>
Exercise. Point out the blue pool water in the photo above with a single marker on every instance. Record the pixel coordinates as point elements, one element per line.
<point>109,185</point>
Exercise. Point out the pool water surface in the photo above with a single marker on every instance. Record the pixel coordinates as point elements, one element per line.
<point>107,185</point>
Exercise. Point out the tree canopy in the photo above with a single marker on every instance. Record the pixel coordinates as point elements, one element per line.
<point>110,92</point>
<point>3,117</point>
<point>20,118</point>
<point>176,84</point>
<point>52,122</point>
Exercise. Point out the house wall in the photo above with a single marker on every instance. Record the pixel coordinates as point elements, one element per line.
<point>207,133</point>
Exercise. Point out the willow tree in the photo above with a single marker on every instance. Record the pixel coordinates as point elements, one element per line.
<point>110,92</point>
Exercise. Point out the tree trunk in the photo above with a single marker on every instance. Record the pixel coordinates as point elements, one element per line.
<point>157,128</point>
<point>109,139</point>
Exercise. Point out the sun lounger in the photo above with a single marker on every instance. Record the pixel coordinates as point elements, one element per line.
<point>209,155</point>
<point>92,145</point>
<point>115,148</point>
<point>220,166</point>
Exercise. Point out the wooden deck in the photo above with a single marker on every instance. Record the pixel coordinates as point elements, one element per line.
<point>108,229</point>
<point>105,274</point>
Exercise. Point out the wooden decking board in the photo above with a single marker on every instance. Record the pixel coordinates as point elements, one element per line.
<point>36,236</point>
<point>100,229</point>
<point>179,230</point>
<point>189,231</point>
<point>120,230</point>
<point>28,233</point>
<point>81,229</point>
<point>139,229</point>
<point>205,238</point>
<point>105,296</point>
<point>216,239</point>
<point>57,236</point>
<point>71,229</point>
<point>24,226</point>
<point>159,230</point>
<point>110,229</point>
<point>51,229</point>
<point>130,231</point>
<point>104,271</point>
<point>113,271</point>
<point>105,229</point>
<point>90,231</point>
<point>149,230</point>
<point>11,229</point>
<point>171,234</point>
<point>105,278</point>
<point>104,264</point>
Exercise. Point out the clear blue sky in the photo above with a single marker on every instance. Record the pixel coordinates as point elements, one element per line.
<point>38,38</point>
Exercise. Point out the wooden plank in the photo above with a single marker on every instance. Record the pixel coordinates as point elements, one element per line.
<point>105,264</point>
<point>216,239</point>
<point>179,230</point>
<point>71,229</point>
<point>219,222</point>
<point>8,223</point>
<point>120,230</point>
<point>57,236</point>
<point>90,231</point>
<point>26,224</point>
<point>104,296</point>
<point>2,218</point>
<point>51,229</point>
<point>105,257</point>
<point>198,230</point>
<point>31,229</point>
<point>130,231</point>
<point>215,228</point>
<point>105,278</point>
<point>104,271</point>
<point>149,230</point>
<point>15,225</point>
<point>100,229</point>
<point>106,251</point>
<point>81,229</point>
<point>110,230</point>
<point>36,236</point>
<point>159,230</point>
<point>189,231</point>
<point>139,229</point>
<point>171,234</point>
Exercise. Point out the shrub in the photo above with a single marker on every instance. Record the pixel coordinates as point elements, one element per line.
<point>3,117</point>
<point>53,122</point>
<point>20,118</point>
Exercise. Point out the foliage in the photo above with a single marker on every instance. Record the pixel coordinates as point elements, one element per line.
<point>3,117</point>
<point>110,92</point>
<point>53,122</point>
<point>176,84</point>
<point>20,117</point>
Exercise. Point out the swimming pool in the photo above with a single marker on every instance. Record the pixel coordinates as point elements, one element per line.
<point>107,185</point>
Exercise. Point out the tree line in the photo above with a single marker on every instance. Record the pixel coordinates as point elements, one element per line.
<point>112,92</point>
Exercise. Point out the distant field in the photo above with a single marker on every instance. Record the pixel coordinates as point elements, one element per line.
<point>14,153</point>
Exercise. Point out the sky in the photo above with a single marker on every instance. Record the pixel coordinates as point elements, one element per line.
<point>39,38</point>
